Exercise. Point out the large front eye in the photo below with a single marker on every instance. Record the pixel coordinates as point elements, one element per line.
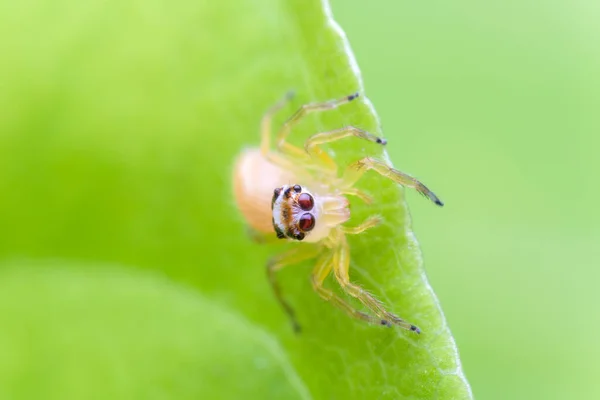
<point>307,222</point>
<point>306,202</point>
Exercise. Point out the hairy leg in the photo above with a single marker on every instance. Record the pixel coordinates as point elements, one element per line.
<point>321,271</point>
<point>331,136</point>
<point>366,224</point>
<point>291,257</point>
<point>267,119</point>
<point>322,158</point>
<point>355,171</point>
<point>341,265</point>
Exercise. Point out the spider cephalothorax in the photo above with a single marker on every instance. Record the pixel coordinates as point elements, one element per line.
<point>316,216</point>
<point>299,214</point>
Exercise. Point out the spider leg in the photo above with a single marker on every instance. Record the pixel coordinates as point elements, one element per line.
<point>288,156</point>
<point>261,237</point>
<point>341,265</point>
<point>358,193</point>
<point>290,160</point>
<point>267,119</point>
<point>304,110</point>
<point>307,109</point>
<point>311,146</point>
<point>337,134</point>
<point>320,272</point>
<point>357,169</point>
<point>293,256</point>
<point>366,224</point>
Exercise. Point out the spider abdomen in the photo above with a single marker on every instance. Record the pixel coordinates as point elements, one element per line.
<point>254,179</point>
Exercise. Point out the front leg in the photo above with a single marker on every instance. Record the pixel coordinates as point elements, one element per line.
<point>341,266</point>
<point>355,171</point>
<point>294,256</point>
<point>320,272</point>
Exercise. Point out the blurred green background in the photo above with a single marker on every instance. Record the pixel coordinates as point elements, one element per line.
<point>496,106</point>
<point>119,121</point>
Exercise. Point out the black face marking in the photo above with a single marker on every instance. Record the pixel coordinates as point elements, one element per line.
<point>280,234</point>
<point>278,231</point>
<point>286,194</point>
<point>297,188</point>
<point>276,193</point>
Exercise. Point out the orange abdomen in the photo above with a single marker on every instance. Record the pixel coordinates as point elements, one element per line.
<point>254,180</point>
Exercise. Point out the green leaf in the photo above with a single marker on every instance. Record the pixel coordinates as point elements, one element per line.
<point>73,331</point>
<point>120,126</point>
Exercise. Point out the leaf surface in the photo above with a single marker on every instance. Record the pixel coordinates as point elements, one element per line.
<point>120,126</point>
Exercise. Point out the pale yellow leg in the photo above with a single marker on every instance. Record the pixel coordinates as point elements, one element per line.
<point>294,159</point>
<point>261,237</point>
<point>311,146</point>
<point>367,224</point>
<point>267,119</point>
<point>357,169</point>
<point>341,265</point>
<point>323,158</point>
<point>337,134</point>
<point>321,271</point>
<point>358,193</point>
<point>307,109</point>
<point>293,256</point>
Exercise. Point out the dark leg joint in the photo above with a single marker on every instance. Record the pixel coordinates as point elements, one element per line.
<point>353,96</point>
<point>290,94</point>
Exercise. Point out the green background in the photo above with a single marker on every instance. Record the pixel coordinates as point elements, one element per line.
<point>125,270</point>
<point>496,106</point>
<point>121,122</point>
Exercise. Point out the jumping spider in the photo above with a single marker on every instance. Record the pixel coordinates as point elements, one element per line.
<point>314,207</point>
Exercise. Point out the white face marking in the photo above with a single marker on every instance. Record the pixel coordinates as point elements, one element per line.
<point>277,222</point>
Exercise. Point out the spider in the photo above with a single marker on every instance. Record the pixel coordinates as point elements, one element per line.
<point>299,194</point>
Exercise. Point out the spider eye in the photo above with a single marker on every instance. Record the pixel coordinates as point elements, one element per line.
<point>297,188</point>
<point>306,202</point>
<point>307,222</point>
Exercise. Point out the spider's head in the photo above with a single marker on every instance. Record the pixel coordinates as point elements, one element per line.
<point>294,212</point>
<point>299,215</point>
